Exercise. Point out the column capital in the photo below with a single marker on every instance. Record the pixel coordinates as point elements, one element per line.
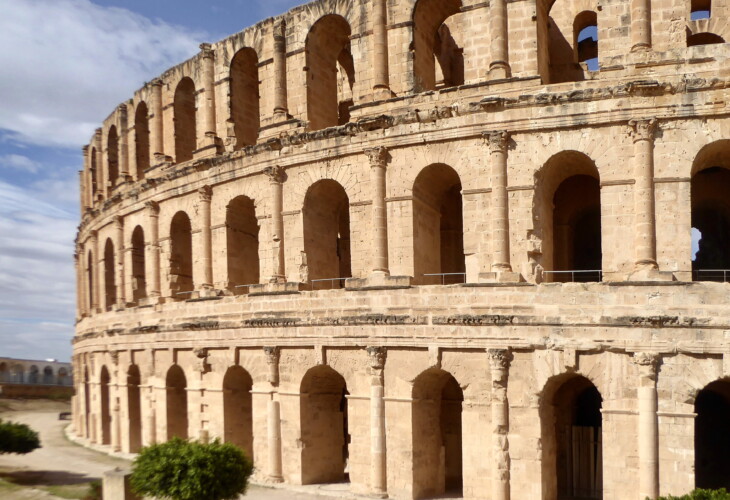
<point>153,208</point>
<point>118,221</point>
<point>157,82</point>
<point>499,359</point>
<point>496,140</point>
<point>648,363</point>
<point>206,194</point>
<point>279,30</point>
<point>276,174</point>
<point>93,235</point>
<point>377,357</point>
<point>273,354</point>
<point>643,130</point>
<point>378,156</point>
<point>206,50</point>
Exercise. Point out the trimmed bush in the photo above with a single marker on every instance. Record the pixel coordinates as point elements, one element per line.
<point>720,494</point>
<point>17,438</point>
<point>184,470</point>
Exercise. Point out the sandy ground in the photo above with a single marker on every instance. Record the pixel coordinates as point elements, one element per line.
<point>61,462</point>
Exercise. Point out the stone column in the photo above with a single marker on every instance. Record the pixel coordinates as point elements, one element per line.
<point>640,25</point>
<point>499,360</point>
<point>157,150</point>
<point>122,146</point>
<point>381,77</point>
<point>80,302</point>
<point>498,30</point>
<point>274,418</point>
<point>86,198</point>
<point>206,248</point>
<point>153,245</point>
<point>500,207</point>
<point>207,133</point>
<point>378,166</point>
<point>648,425</point>
<point>378,449</point>
<point>94,288</point>
<point>119,259</point>
<point>281,109</point>
<point>277,177</point>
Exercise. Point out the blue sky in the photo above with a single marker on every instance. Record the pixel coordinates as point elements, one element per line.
<point>66,65</point>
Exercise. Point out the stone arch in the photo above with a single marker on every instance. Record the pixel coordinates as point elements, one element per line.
<point>139,281</point>
<point>437,434</point>
<point>112,145</point>
<point>105,406</point>
<point>242,237</point>
<point>90,280</point>
<point>324,426</point>
<point>557,57</point>
<point>94,175</point>
<point>238,409</point>
<point>585,43</point>
<point>62,376</point>
<point>4,372</point>
<point>110,287</point>
<point>438,226</point>
<point>134,405</point>
<point>48,376</point>
<point>567,211</point>
<point>433,42</point>
<point>245,112</point>
<point>572,450</point>
<point>185,120</point>
<point>33,375</point>
<point>326,227</point>
<point>707,30</point>
<point>142,139</point>
<point>181,256</point>
<point>177,403</point>
<point>17,373</point>
<point>330,72</point>
<point>712,436</point>
<point>711,211</point>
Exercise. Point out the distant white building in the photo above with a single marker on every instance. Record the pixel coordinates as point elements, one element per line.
<point>35,372</point>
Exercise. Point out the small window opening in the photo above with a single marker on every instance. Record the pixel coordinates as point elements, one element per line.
<point>586,39</point>
<point>700,9</point>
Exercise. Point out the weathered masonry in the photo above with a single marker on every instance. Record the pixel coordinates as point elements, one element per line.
<point>423,246</point>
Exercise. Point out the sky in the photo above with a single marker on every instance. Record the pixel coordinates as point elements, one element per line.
<point>66,65</point>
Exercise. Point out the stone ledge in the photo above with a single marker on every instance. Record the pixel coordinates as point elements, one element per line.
<point>378,282</point>
<point>265,289</point>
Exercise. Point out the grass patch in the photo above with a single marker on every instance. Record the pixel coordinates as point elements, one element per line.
<point>70,491</point>
<point>8,487</point>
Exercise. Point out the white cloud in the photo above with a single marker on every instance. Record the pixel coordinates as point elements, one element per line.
<point>19,162</point>
<point>73,61</point>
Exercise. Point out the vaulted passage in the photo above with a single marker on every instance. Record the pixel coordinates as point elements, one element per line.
<point>572,440</point>
<point>106,417</point>
<point>330,73</point>
<point>437,437</point>
<point>711,217</point>
<point>142,139</point>
<point>181,256</point>
<point>438,227</point>
<point>113,156</point>
<point>438,59</point>
<point>134,405</point>
<point>712,436</point>
<point>185,127</point>
<point>324,426</point>
<point>245,97</point>
<point>177,403</point>
<point>110,287</point>
<point>139,281</point>
<point>326,216</point>
<point>242,234</point>
<point>564,41</point>
<point>237,409</point>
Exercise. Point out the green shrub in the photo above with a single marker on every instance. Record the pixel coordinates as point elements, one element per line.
<point>720,494</point>
<point>94,491</point>
<point>17,438</point>
<point>183,470</point>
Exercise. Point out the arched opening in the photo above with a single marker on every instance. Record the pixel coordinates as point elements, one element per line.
<point>94,176</point>
<point>558,46</point>
<point>711,212</point>
<point>63,378</point>
<point>90,280</point>
<point>703,39</point>
<point>33,375</point>
<point>326,214</point>
<point>324,426</point>
<point>18,374</point>
<point>4,373</point>
<point>242,233</point>
<point>110,287</point>
<point>185,127</point>
<point>437,437</point>
<point>438,58</point>
<point>181,256</point>
<point>238,409</point>
<point>142,139</point>
<point>48,377</point>
<point>245,97</point>
<point>700,9</point>
<point>585,33</point>
<point>113,156</point>
<point>177,403</point>
<point>712,436</point>
<point>330,73</point>
<point>139,281</point>
<point>106,416</point>
<point>438,227</point>
<point>568,218</point>
<point>134,414</point>
<point>572,441</point>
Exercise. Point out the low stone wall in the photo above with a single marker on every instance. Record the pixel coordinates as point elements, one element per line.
<point>36,391</point>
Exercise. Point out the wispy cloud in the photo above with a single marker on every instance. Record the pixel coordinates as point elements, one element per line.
<point>19,162</point>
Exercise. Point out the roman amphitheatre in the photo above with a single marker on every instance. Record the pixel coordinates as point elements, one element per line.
<point>426,248</point>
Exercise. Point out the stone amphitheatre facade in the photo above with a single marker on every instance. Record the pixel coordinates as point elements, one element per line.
<point>425,247</point>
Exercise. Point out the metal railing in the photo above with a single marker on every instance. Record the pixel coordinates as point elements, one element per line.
<point>449,278</point>
<point>320,284</point>
<point>718,275</point>
<point>574,276</point>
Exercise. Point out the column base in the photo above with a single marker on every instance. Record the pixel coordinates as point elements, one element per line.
<point>650,274</point>
<point>378,495</point>
<point>289,288</point>
<point>378,281</point>
<point>501,277</point>
<point>151,301</point>
<point>208,150</point>
<point>500,71</point>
